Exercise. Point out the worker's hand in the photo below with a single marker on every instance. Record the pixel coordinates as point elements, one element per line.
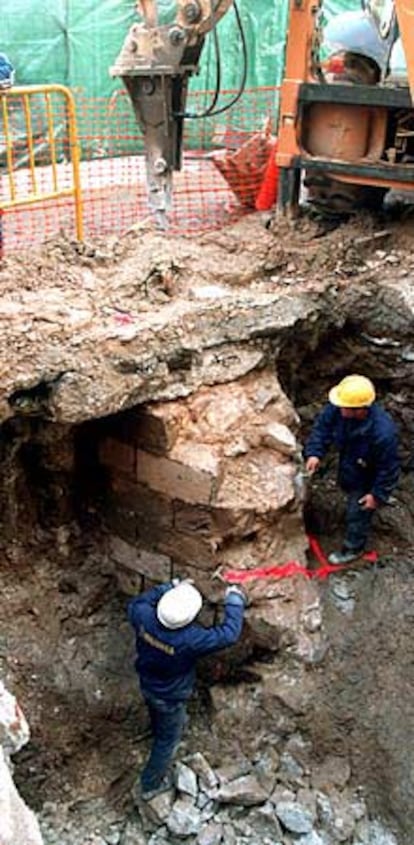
<point>312,464</point>
<point>236,591</point>
<point>368,502</point>
<point>176,581</point>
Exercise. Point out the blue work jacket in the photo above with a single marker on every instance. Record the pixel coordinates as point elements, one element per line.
<point>166,659</point>
<point>368,449</point>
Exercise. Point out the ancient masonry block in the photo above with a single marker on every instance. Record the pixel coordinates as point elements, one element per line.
<point>146,563</point>
<point>189,548</point>
<point>118,456</point>
<point>174,479</point>
<point>152,512</point>
<point>204,481</point>
<point>154,429</point>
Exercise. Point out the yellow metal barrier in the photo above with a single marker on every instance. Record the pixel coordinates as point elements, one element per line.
<point>31,192</point>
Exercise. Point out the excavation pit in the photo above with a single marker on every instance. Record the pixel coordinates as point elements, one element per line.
<point>147,411</point>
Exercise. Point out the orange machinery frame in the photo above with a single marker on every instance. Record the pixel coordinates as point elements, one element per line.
<point>300,84</point>
<point>405,17</point>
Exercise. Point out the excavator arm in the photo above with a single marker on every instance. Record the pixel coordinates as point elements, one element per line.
<point>155,64</point>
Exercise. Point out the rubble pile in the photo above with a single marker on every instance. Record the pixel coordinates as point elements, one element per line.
<point>275,800</point>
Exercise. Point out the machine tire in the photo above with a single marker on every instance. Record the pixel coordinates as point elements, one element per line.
<point>330,197</point>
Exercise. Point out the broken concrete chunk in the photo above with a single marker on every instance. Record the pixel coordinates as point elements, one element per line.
<point>158,808</point>
<point>300,749</point>
<point>290,770</point>
<point>134,835</point>
<point>209,811</point>
<point>246,791</point>
<point>294,817</point>
<point>324,809</point>
<point>264,822</point>
<point>375,834</point>
<point>232,771</point>
<point>342,825</point>
<point>211,835</point>
<point>203,801</point>
<point>202,768</point>
<point>312,838</point>
<point>185,779</point>
<point>265,769</point>
<point>184,818</point>
<point>229,837</point>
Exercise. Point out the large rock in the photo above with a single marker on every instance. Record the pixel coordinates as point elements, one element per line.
<point>18,825</point>
<point>294,817</point>
<point>245,790</point>
<point>184,818</point>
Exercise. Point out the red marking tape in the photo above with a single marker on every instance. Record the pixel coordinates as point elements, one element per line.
<point>287,570</point>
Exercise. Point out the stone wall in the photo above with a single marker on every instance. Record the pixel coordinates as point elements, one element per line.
<point>204,482</point>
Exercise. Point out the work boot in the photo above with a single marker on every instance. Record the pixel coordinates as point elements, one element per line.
<point>164,786</point>
<point>344,556</point>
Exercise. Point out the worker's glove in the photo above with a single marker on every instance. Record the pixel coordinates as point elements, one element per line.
<point>235,591</point>
<point>176,581</point>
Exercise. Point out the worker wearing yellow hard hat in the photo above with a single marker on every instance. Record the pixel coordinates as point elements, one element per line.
<point>366,438</point>
<point>353,392</point>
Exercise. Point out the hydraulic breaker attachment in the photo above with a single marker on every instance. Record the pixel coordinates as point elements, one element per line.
<point>155,64</point>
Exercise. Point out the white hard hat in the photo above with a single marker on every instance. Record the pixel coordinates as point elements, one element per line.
<point>179,606</point>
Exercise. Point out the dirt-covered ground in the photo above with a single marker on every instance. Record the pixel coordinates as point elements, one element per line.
<point>66,649</point>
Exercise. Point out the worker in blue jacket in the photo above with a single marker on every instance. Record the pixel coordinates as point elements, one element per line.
<point>169,642</point>
<point>366,438</point>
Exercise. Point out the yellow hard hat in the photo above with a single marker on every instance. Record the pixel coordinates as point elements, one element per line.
<point>353,392</point>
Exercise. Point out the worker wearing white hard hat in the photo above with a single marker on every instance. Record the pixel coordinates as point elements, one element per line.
<point>169,642</point>
<point>367,441</point>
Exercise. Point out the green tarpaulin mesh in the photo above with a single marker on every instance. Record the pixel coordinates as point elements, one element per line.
<point>74,42</point>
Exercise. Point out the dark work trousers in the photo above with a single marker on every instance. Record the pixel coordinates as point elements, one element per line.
<point>358,523</point>
<point>168,719</point>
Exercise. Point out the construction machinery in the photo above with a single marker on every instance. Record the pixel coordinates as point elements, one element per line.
<point>346,117</point>
<point>155,64</point>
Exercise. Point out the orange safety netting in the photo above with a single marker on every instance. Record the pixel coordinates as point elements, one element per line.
<point>225,159</point>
